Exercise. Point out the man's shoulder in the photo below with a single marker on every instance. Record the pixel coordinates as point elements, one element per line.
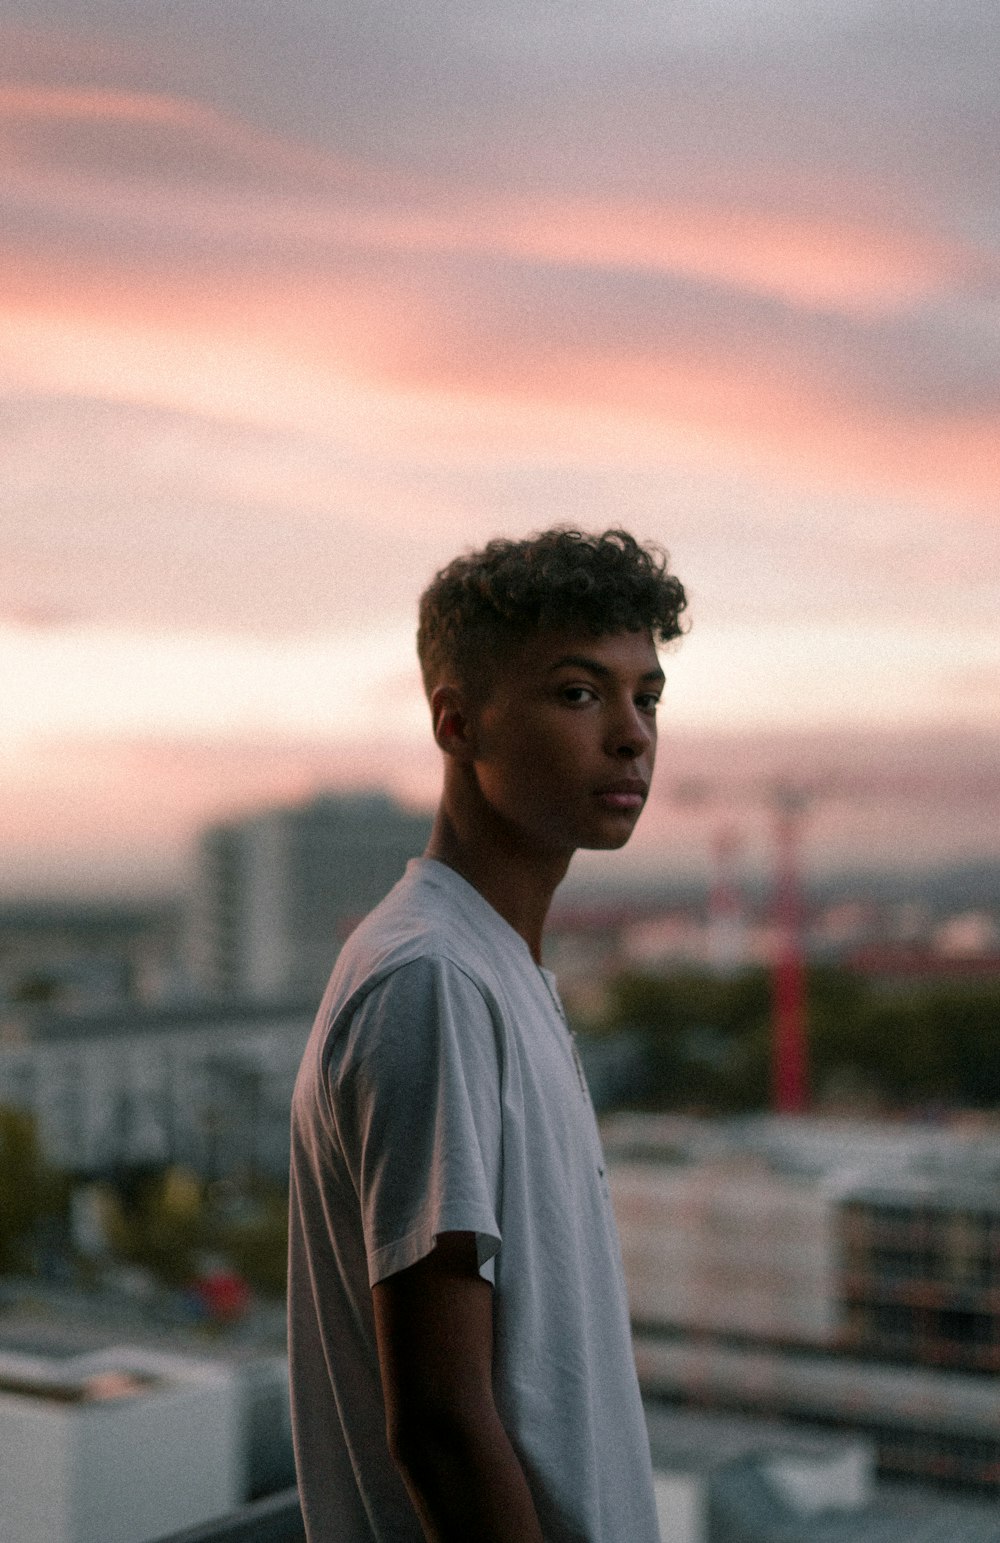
<point>411,966</point>
<point>418,919</point>
<point>431,922</point>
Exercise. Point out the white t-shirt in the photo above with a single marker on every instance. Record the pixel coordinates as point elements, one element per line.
<point>441,1092</point>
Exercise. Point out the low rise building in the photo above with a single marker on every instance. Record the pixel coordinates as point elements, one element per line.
<point>843,1274</point>
<point>921,1272</point>
<point>207,1087</point>
<point>730,1247</point>
<point>85,955</point>
<point>121,1446</point>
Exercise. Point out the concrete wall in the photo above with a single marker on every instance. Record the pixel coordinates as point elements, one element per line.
<point>151,1466</point>
<point>35,1472</point>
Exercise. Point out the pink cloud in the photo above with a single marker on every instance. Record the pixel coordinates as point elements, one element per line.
<point>454,294</point>
<point>200,128</point>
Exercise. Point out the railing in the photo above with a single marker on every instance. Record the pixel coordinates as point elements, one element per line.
<point>275,1519</point>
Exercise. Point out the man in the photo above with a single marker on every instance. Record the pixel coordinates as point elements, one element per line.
<point>461,1363</point>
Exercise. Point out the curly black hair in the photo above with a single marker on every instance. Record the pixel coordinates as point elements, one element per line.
<point>484,602</point>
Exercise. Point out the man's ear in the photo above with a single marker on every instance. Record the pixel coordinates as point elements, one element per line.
<point>452,721</point>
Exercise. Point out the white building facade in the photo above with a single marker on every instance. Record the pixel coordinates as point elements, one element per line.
<point>209,1088</point>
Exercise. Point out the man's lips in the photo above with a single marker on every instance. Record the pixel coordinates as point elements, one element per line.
<point>629,793</point>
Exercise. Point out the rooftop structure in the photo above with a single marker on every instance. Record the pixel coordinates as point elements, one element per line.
<point>942,1427</point>
<point>753,1480</point>
<point>115,1447</point>
<point>725,1479</point>
<point>59,1329</point>
<point>274,1519</point>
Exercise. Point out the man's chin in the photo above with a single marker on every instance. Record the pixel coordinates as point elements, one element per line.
<point>608,842</point>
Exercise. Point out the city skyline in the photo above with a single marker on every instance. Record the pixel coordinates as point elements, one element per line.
<point>296,305</point>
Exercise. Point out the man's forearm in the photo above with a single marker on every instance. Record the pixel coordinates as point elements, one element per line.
<point>465,1480</point>
<point>434,1330</point>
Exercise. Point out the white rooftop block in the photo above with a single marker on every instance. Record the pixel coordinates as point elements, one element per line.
<point>120,1447</point>
<point>680,1507</point>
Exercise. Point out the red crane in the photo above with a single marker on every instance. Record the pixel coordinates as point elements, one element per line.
<point>789,802</point>
<point>789,1057</point>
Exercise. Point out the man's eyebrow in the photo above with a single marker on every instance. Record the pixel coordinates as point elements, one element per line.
<point>601,671</point>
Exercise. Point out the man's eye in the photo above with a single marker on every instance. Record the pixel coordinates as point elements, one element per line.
<point>648,702</point>
<point>576,696</point>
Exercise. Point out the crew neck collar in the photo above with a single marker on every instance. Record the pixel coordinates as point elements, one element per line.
<point>440,872</point>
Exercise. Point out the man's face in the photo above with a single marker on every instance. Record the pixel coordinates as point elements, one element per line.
<point>564,744</point>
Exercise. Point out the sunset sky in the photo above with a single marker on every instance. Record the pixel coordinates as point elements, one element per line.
<point>297,301</point>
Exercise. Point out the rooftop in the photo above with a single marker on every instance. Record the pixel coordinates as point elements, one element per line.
<point>275,1519</point>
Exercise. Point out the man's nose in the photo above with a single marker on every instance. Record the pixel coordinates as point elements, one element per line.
<point>632,734</point>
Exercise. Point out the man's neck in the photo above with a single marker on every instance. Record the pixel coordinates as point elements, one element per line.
<point>519,885</point>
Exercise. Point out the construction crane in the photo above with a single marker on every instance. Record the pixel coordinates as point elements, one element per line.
<point>789,1055</point>
<point>788,804</point>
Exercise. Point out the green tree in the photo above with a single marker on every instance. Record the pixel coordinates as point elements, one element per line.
<point>156,1219</point>
<point>164,1220</point>
<point>706,1036</point>
<point>257,1245</point>
<point>30,1191</point>
<point>709,1039</point>
<point>915,1043</point>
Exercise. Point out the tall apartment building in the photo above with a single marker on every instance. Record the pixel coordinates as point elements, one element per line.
<point>275,894</point>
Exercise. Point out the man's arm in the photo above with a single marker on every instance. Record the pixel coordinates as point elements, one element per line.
<point>434,1327</point>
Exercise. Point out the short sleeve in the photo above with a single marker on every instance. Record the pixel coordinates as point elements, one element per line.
<point>416,1100</point>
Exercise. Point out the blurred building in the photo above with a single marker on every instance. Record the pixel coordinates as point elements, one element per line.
<point>719,1477</point>
<point>738,1479</point>
<point>730,1247</point>
<point>84,955</point>
<point>208,1087</point>
<point>274,895</point>
<point>921,1272</point>
<point>846,1275</point>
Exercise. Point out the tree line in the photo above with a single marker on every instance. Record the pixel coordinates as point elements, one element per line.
<point>896,1048</point>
